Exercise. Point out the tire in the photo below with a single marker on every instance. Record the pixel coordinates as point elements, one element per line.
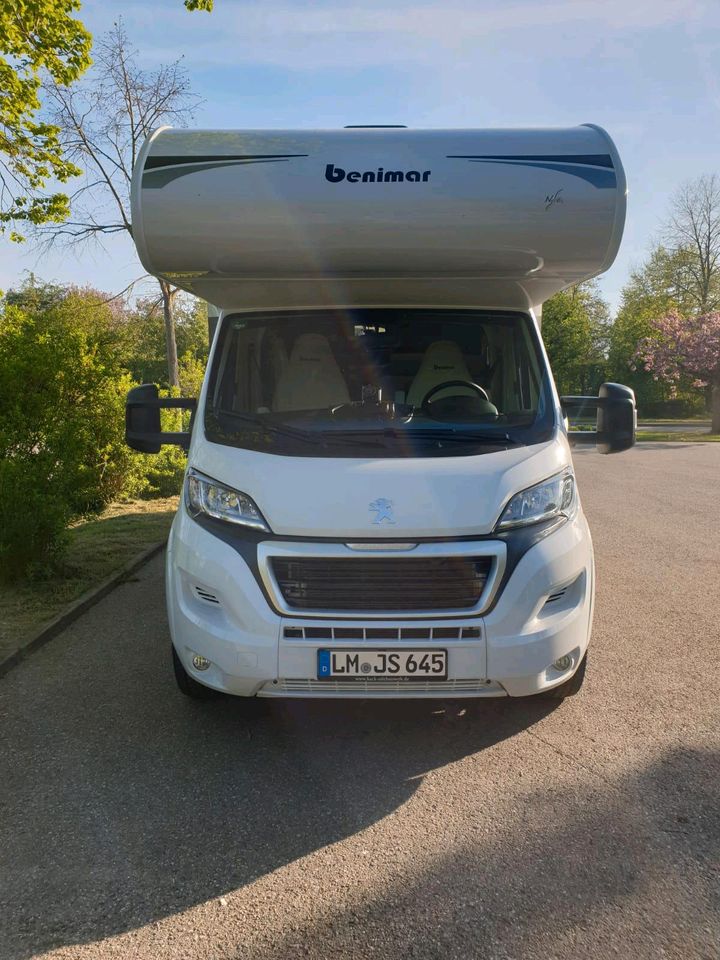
<point>188,685</point>
<point>571,686</point>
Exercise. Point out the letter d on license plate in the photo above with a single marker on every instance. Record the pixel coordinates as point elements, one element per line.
<point>382,664</point>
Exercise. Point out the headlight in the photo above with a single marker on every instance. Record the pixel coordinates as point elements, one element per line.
<point>214,499</point>
<point>551,498</point>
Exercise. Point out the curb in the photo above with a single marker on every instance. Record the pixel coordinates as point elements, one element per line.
<point>77,608</point>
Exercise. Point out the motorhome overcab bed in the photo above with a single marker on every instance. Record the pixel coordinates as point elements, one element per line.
<point>380,498</point>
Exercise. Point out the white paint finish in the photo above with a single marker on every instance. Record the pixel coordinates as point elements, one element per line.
<point>522,637</point>
<point>248,653</point>
<point>277,232</point>
<point>331,497</point>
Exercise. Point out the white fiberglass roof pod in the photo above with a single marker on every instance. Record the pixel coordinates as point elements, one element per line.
<point>260,219</point>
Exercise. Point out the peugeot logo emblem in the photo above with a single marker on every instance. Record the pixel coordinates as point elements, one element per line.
<point>383,510</point>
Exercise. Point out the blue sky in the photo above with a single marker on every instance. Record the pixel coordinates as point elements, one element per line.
<point>646,70</point>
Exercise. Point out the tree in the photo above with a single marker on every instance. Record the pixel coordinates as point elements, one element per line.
<point>83,343</point>
<point>653,290</point>
<point>575,329</point>
<point>130,333</point>
<point>38,39</point>
<point>144,340</point>
<point>689,346</point>
<point>103,122</point>
<point>62,449</point>
<point>692,232</point>
<point>650,292</point>
<point>680,278</point>
<point>657,285</point>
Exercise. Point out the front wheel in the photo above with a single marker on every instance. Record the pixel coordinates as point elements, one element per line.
<point>571,686</point>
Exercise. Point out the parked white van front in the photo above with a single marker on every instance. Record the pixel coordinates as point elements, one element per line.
<point>380,498</point>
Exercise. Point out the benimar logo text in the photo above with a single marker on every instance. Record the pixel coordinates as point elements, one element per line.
<point>337,174</point>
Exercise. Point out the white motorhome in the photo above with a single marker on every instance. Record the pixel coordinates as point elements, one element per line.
<point>380,498</point>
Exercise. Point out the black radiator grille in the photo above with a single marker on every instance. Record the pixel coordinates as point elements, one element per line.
<point>381,583</point>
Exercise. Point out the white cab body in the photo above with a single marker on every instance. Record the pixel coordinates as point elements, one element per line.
<point>302,256</point>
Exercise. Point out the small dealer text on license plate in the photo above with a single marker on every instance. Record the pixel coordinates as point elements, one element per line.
<point>382,664</point>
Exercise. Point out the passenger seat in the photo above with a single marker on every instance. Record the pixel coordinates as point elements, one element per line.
<point>312,380</point>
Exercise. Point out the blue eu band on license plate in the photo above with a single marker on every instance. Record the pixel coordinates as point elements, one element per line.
<point>377,664</point>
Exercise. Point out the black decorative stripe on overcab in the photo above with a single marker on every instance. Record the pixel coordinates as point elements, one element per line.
<point>159,161</point>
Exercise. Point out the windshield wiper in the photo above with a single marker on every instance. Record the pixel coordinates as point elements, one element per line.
<point>440,436</point>
<point>468,436</point>
<point>306,436</point>
<point>355,438</point>
<point>276,428</point>
<point>374,437</point>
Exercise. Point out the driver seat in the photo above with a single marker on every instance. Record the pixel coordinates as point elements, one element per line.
<point>312,379</point>
<point>442,361</point>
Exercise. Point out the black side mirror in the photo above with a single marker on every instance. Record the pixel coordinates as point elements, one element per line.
<point>142,419</point>
<point>616,418</point>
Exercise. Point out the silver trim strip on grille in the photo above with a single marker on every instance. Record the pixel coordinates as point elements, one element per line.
<point>382,688</point>
<point>495,549</point>
<point>388,545</point>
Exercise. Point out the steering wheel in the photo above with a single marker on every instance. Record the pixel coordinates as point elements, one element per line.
<point>480,391</point>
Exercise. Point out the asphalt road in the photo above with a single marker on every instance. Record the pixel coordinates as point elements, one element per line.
<point>136,824</point>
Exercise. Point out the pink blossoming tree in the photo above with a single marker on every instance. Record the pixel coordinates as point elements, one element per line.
<point>686,346</point>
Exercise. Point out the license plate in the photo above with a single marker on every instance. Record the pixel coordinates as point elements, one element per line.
<point>382,664</point>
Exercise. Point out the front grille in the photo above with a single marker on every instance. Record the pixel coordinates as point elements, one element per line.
<point>381,583</point>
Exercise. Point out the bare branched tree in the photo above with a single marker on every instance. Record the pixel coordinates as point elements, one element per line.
<point>103,121</point>
<point>692,232</point>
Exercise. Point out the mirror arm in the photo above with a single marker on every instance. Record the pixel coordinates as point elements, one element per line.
<point>589,437</point>
<point>166,403</point>
<point>615,414</point>
<point>575,437</point>
<point>177,439</point>
<point>180,439</point>
<point>603,402</point>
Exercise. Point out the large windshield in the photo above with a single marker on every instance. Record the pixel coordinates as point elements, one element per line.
<point>376,382</point>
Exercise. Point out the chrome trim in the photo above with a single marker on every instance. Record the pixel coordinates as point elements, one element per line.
<point>389,545</point>
<point>494,549</point>
<point>322,689</point>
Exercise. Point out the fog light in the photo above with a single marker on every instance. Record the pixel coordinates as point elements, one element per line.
<point>563,663</point>
<point>200,663</point>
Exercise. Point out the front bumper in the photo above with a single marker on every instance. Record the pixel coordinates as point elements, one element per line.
<point>218,608</point>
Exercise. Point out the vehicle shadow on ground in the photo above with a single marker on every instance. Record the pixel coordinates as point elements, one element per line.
<point>158,803</point>
<point>120,809</point>
<point>628,871</point>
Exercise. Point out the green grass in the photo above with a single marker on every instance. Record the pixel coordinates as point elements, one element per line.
<point>690,421</point>
<point>97,548</point>
<point>694,437</point>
